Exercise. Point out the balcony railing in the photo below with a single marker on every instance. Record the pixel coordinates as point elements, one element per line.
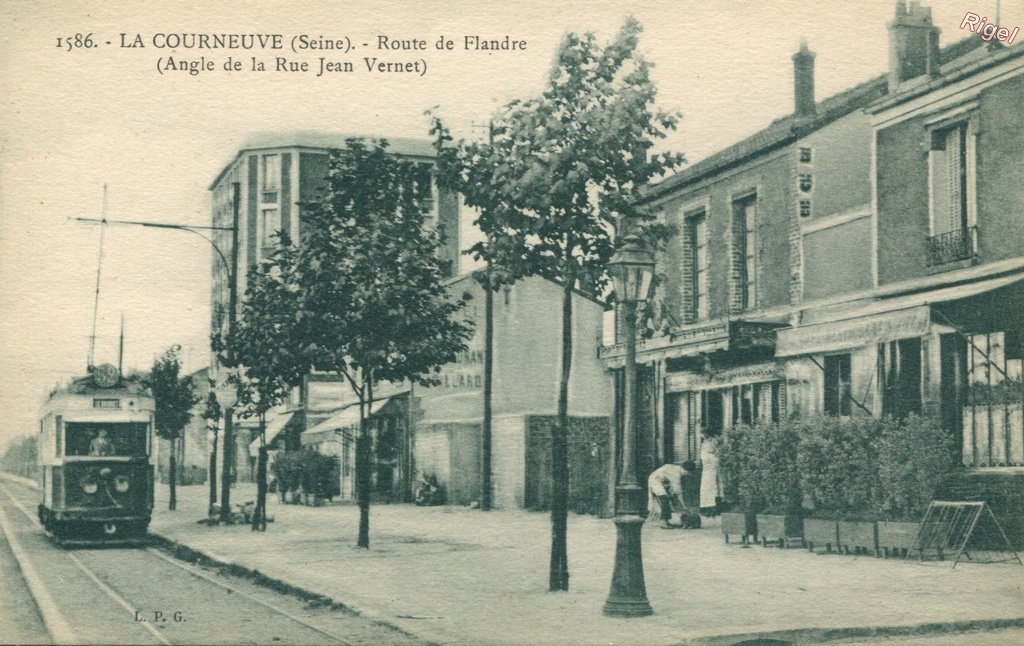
<point>960,244</point>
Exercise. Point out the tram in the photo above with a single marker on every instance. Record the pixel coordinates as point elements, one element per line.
<point>97,459</point>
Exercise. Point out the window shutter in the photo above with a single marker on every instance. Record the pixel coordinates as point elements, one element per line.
<point>953,179</point>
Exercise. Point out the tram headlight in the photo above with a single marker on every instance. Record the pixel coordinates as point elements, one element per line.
<point>121,483</point>
<point>89,486</point>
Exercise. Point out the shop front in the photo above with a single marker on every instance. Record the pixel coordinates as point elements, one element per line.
<point>697,381</point>
<point>953,353</point>
<point>387,419</point>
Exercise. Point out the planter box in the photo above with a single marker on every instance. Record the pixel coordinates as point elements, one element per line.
<point>896,538</point>
<point>784,531</point>
<point>858,536</point>
<point>737,523</point>
<point>823,534</point>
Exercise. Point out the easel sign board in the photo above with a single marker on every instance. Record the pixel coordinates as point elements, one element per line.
<point>949,525</point>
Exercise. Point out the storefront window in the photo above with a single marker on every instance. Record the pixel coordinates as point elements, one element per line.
<point>993,427</point>
<point>711,411</point>
<point>837,384</point>
<point>900,376</point>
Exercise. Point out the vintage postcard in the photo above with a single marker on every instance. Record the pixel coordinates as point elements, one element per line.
<point>512,322</point>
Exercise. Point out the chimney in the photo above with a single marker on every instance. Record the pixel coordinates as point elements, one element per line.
<point>803,80</point>
<point>913,44</point>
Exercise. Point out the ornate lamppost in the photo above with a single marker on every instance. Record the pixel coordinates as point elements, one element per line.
<point>632,270</point>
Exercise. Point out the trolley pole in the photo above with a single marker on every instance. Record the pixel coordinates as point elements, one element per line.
<point>229,435</point>
<point>232,274</point>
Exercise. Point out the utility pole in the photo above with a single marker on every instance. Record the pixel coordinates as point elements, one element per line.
<point>485,501</point>
<point>229,435</point>
<point>232,275</point>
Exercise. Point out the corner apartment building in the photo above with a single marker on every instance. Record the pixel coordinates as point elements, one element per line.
<point>276,173</point>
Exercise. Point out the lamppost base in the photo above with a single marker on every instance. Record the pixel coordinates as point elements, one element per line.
<point>628,594</point>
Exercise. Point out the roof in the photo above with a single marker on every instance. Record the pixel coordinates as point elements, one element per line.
<point>320,140</point>
<point>970,60</point>
<point>787,129</point>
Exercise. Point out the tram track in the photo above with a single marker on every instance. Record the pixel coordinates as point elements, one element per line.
<point>59,626</point>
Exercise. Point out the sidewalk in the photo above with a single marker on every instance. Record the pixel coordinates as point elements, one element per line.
<point>460,576</point>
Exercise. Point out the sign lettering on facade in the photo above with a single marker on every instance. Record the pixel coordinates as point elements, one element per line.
<point>841,335</point>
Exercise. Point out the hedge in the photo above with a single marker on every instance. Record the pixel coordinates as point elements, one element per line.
<point>856,468</point>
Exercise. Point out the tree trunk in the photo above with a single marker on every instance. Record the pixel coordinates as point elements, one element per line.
<point>364,450</point>
<point>225,475</point>
<point>259,515</point>
<point>558,576</point>
<point>213,474</point>
<point>172,467</point>
<point>485,497</point>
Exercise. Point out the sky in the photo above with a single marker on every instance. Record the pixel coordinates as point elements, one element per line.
<point>74,119</point>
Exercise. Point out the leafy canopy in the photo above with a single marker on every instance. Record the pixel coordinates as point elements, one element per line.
<point>567,167</point>
<point>173,394</point>
<point>371,301</point>
<point>261,346</point>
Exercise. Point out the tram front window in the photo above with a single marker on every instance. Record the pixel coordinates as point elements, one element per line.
<point>95,439</point>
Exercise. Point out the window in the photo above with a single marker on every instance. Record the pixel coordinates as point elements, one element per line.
<point>900,377</point>
<point>805,155</point>
<point>952,237</point>
<point>271,177</point>
<point>837,384</point>
<point>806,182</point>
<point>693,413</point>
<point>696,225</point>
<point>271,225</point>
<point>98,439</point>
<point>993,435</point>
<point>744,213</point>
<point>805,208</point>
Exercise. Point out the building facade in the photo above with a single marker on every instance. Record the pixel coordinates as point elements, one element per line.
<point>446,418</point>
<point>862,256</point>
<point>275,173</point>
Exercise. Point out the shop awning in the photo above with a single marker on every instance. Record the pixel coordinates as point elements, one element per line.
<point>274,428</point>
<point>898,317</point>
<point>346,418</point>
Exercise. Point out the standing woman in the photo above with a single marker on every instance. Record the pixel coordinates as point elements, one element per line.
<point>710,483</point>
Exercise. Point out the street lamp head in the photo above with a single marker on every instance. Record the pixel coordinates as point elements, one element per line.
<point>632,270</point>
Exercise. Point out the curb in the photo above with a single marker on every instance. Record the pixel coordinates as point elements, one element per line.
<point>788,636</point>
<point>824,635</point>
<point>183,552</point>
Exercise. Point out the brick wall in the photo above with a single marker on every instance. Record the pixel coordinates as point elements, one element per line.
<point>589,460</point>
<point>687,311</point>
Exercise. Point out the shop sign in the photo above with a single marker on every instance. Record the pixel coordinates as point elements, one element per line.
<point>722,378</point>
<point>851,333</point>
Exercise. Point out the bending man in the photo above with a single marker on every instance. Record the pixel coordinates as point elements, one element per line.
<point>665,489</point>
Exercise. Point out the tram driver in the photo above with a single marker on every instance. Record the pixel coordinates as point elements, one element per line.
<point>100,445</point>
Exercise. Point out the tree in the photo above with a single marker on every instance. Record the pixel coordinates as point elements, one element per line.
<point>261,346</point>
<point>564,174</point>
<point>372,306</point>
<point>174,397</point>
<point>21,457</point>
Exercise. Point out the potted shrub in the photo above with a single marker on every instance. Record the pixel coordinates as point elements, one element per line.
<point>770,482</point>
<point>737,519</point>
<point>821,528</point>
<point>915,456</point>
<point>838,463</point>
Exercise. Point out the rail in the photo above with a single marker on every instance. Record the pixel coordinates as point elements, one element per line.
<point>951,246</point>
